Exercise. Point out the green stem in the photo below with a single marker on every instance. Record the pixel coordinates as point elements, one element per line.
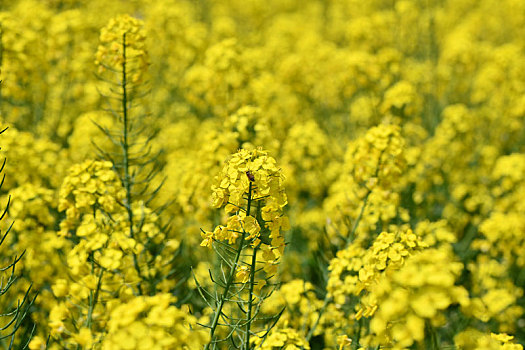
<point>327,299</point>
<point>125,149</point>
<point>250,300</point>
<point>431,338</point>
<point>231,277</point>
<point>349,239</point>
<point>351,236</point>
<point>321,311</point>
<point>94,298</point>
<point>355,344</point>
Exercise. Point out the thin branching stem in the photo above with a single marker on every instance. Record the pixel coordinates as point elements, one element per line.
<point>321,312</point>
<point>431,337</point>
<point>351,236</point>
<point>224,296</point>
<point>94,299</point>
<point>125,149</point>
<point>327,298</point>
<point>16,316</point>
<point>250,300</point>
<point>349,240</point>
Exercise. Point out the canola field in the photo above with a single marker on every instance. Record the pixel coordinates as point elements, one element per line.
<point>262,174</point>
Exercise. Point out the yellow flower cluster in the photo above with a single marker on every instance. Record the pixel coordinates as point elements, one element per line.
<point>152,323</point>
<point>86,135</point>
<point>250,128</point>
<point>34,206</point>
<point>249,169</point>
<point>219,82</point>
<point>413,296</point>
<point>106,265</point>
<point>301,306</point>
<point>89,185</point>
<point>372,169</point>
<point>435,234</point>
<point>123,47</point>
<point>493,295</point>
<point>378,157</point>
<point>472,339</point>
<point>250,186</point>
<point>306,152</point>
<point>286,339</point>
<point>355,269</point>
<point>33,160</point>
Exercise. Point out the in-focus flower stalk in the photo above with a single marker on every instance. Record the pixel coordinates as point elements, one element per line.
<point>233,271</point>
<point>250,188</point>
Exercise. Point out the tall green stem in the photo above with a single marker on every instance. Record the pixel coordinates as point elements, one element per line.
<point>431,337</point>
<point>94,299</point>
<point>250,300</point>
<point>231,277</point>
<point>349,239</point>
<point>351,236</point>
<point>125,149</point>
